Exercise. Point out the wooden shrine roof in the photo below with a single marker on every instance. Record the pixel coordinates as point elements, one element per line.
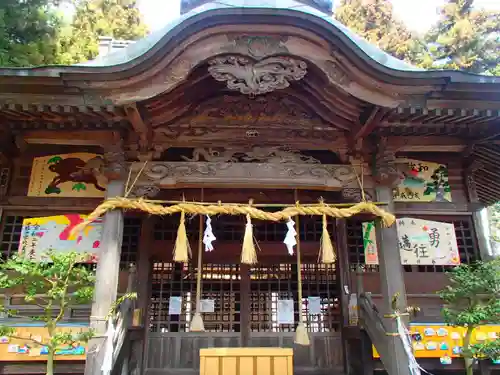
<point>158,93</point>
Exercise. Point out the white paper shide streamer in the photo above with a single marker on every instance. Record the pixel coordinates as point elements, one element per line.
<point>208,235</point>
<point>107,363</point>
<point>405,337</point>
<point>290,239</point>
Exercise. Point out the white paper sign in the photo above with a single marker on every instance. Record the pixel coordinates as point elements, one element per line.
<point>427,242</point>
<point>420,242</point>
<point>314,305</point>
<point>207,305</point>
<point>13,348</point>
<point>285,311</point>
<point>175,306</point>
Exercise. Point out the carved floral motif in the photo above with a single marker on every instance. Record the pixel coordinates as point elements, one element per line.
<point>255,78</point>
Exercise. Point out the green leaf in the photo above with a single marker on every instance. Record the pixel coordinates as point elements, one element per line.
<point>429,191</point>
<point>79,186</point>
<point>54,160</point>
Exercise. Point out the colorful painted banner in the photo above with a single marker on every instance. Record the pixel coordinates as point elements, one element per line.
<point>421,242</point>
<point>441,341</point>
<point>71,175</point>
<point>40,234</point>
<point>423,182</point>
<point>26,350</point>
<point>370,243</point>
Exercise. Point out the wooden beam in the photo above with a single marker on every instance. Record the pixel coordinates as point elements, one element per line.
<point>373,120</point>
<point>426,144</point>
<point>77,138</point>
<point>139,126</point>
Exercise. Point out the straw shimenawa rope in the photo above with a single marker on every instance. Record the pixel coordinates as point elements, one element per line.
<point>232,209</point>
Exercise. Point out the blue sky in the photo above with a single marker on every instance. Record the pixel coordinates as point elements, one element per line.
<point>418,15</point>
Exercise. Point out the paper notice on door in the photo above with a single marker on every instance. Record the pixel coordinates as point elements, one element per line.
<point>314,305</point>
<point>285,311</point>
<point>175,306</point>
<point>207,305</point>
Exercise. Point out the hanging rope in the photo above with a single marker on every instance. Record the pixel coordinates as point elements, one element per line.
<point>327,252</point>
<point>233,209</point>
<point>197,322</point>
<point>182,251</point>
<point>301,335</point>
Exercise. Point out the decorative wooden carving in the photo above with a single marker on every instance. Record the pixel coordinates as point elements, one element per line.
<point>145,191</point>
<point>286,175</point>
<point>273,155</point>
<point>384,169</point>
<point>114,160</point>
<point>255,78</point>
<point>257,47</point>
<point>354,195</point>
<point>238,110</point>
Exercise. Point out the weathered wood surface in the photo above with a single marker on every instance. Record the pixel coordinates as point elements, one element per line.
<point>39,368</point>
<point>167,352</point>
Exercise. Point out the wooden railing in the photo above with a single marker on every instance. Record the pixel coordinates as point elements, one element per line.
<point>373,324</point>
<point>178,352</point>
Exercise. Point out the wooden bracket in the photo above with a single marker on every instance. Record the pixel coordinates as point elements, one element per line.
<point>372,121</point>
<point>139,126</point>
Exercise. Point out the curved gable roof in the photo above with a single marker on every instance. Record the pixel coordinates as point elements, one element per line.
<point>144,45</point>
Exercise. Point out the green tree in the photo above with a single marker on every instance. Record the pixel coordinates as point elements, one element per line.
<point>374,21</point>
<point>119,19</point>
<point>54,283</point>
<point>472,299</point>
<point>464,38</point>
<point>28,32</point>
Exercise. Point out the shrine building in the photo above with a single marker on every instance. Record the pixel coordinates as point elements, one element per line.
<point>244,122</point>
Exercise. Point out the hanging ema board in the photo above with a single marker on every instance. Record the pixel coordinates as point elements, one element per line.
<point>422,182</point>
<point>421,242</point>
<point>22,349</point>
<point>40,234</point>
<point>440,341</point>
<point>70,175</point>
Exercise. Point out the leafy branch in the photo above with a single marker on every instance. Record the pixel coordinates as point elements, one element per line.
<point>64,280</point>
<point>472,299</point>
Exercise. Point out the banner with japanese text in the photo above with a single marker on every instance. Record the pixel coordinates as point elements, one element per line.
<point>422,182</point>
<point>420,242</point>
<point>370,243</point>
<point>41,234</point>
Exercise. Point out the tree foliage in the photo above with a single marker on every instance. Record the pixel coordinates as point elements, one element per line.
<point>28,32</point>
<point>464,38</point>
<point>119,19</point>
<point>374,21</point>
<point>54,283</point>
<point>34,32</point>
<point>472,299</point>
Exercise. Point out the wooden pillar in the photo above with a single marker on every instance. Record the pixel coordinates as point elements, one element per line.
<point>391,282</point>
<point>106,284</point>
<point>108,267</point>
<point>144,275</point>
<point>245,305</point>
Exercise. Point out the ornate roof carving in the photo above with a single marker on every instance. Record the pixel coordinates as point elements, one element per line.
<point>271,109</point>
<point>256,78</point>
<point>258,154</point>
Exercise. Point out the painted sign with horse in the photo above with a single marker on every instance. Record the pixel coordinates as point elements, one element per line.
<point>69,175</point>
